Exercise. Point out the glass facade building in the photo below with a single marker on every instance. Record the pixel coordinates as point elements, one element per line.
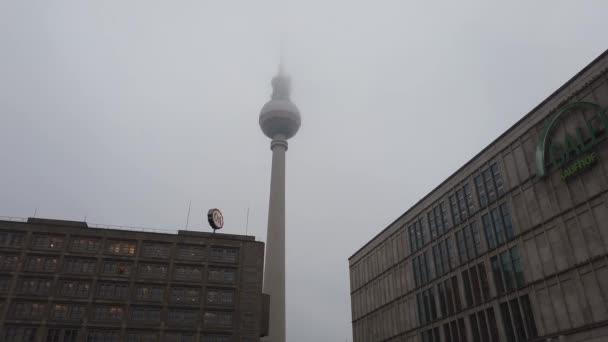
<point>63,281</point>
<point>511,247</point>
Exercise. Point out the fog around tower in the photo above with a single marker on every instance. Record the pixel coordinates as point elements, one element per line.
<point>122,112</point>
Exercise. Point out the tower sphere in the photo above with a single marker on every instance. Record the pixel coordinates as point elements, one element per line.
<point>280,118</point>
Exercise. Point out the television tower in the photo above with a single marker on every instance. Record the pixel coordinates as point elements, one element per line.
<point>279,120</point>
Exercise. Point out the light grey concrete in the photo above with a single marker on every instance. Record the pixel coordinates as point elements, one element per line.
<point>279,120</point>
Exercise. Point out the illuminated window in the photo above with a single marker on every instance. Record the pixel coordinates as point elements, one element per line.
<point>121,247</point>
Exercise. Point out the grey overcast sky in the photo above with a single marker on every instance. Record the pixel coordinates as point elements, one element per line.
<point>124,111</point>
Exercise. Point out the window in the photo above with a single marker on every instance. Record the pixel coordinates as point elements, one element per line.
<point>455,331</point>
<point>33,286</point>
<point>182,317</point>
<point>149,293</point>
<point>19,334</point>
<point>61,335</point>
<point>82,266</point>
<point>507,270</point>
<point>484,329</point>
<point>499,228</point>
<point>228,255</point>
<point>220,296</point>
<point>222,275</point>
<point>185,295</point>
<point>85,245</point>
<point>47,242</point>
<point>140,336</point>
<point>188,273</point>
<point>65,312</point>
<point>441,257</point>
<point>178,337</point>
<point>121,247</point>
<point>73,288</point>
<point>518,327</point>
<point>427,311</point>
<point>5,284</point>
<point>152,270</point>
<point>489,184</point>
<point>11,239</point>
<point>421,270</point>
<point>160,251</point>
<point>468,242</point>
<point>8,262</point>
<point>107,313</point>
<point>431,335</point>
<point>449,297</point>
<point>110,290</point>
<point>145,314</point>
<point>40,263</point>
<point>417,235</point>
<point>27,310</point>
<point>476,286</point>
<point>116,268</point>
<point>103,336</point>
<point>218,318</point>
<point>195,253</point>
<point>216,338</point>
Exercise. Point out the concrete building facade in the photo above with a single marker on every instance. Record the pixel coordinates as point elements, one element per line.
<point>63,281</point>
<point>512,247</point>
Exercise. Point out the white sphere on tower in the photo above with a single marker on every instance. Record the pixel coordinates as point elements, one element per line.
<point>280,118</point>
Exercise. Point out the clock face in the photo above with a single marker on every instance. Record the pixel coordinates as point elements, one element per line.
<point>215,218</point>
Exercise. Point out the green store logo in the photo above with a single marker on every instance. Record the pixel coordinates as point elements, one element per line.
<point>573,153</point>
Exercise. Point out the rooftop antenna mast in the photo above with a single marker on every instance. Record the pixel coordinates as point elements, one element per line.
<point>188,216</point>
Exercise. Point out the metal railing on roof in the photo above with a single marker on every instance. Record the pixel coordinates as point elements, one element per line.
<point>101,226</point>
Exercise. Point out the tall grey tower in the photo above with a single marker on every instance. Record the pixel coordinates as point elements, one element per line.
<point>279,120</point>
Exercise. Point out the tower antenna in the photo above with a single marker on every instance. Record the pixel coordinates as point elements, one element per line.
<point>247,221</point>
<point>188,216</point>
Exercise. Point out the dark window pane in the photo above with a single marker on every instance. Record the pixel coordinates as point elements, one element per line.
<point>507,270</point>
<point>500,288</point>
<point>506,321</point>
<point>528,316</point>
<point>506,219</point>
<point>485,286</point>
<point>519,322</point>
<point>481,191</point>
<point>475,329</point>
<point>467,288</point>
<point>497,220</point>
<point>489,231</point>
<point>446,332</point>
<point>469,197</point>
<point>432,304</point>
<point>442,302</point>
<point>456,293</point>
<point>475,285</point>
<point>455,209</point>
<point>492,322</point>
<point>462,331</point>
<point>519,274</point>
<point>483,326</point>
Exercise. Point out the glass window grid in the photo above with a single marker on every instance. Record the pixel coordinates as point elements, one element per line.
<point>35,286</point>
<point>86,245</point>
<point>53,242</point>
<point>11,239</point>
<point>489,184</point>
<point>156,250</point>
<point>507,270</point>
<point>73,288</point>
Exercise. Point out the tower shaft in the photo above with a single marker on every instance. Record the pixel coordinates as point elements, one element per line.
<point>274,269</point>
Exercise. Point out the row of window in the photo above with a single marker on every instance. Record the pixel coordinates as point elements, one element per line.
<point>126,248</point>
<point>9,262</point>
<point>508,276</point>
<point>112,290</point>
<point>23,334</point>
<point>108,313</point>
<point>517,320</point>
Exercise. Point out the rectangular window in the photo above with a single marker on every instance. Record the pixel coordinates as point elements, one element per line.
<point>497,178</point>
<point>103,336</point>
<point>149,293</point>
<point>73,288</point>
<point>438,260</point>
<point>182,317</point>
<point>462,246</point>
<point>489,183</point>
<point>19,333</point>
<point>61,335</point>
<point>8,262</point>
<point>498,228</point>
<point>488,228</point>
<point>107,313</point>
<point>33,286</point>
<point>85,245</point>
<point>121,247</point>
<point>188,273</point>
<point>220,296</point>
<point>178,337</point>
<point>483,277</point>
<point>432,226</point>
<point>443,307</point>
<point>11,239</point>
<point>455,209</point>
<point>219,275</point>
<point>218,318</point>
<point>140,336</point>
<point>145,314</point>
<point>506,220</point>
<point>53,242</point>
<point>456,294</point>
<point>110,290</point>
<point>38,263</point>
<point>468,291</point>
<point>481,191</point>
<point>507,268</point>
<point>158,251</point>
<point>27,310</point>
<point>158,271</point>
<point>506,321</point>
<point>79,266</point>
<point>185,295</point>
<point>187,252</point>
<point>227,255</point>
<point>5,284</point>
<point>116,268</point>
<point>67,312</point>
<point>469,197</point>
